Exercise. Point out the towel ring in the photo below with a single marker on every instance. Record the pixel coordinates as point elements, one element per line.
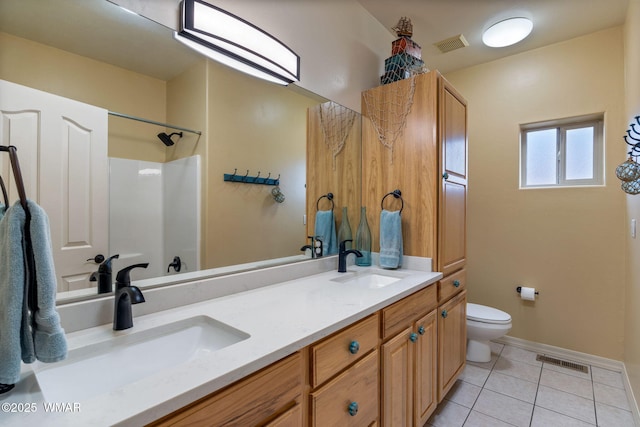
<point>329,196</point>
<point>395,193</point>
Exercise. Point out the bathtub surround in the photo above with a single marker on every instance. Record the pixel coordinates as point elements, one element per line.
<point>154,214</point>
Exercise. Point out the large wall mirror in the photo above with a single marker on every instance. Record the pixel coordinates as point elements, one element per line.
<point>97,53</point>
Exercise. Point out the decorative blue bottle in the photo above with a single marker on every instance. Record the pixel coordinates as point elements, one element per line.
<point>363,240</point>
<point>344,232</point>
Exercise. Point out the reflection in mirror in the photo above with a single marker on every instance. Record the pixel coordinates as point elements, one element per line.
<point>249,125</point>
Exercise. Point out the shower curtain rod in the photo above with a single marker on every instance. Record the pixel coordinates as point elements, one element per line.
<point>126,116</point>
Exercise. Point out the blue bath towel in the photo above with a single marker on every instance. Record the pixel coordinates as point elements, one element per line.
<point>390,239</point>
<point>49,340</point>
<point>14,336</point>
<point>23,335</point>
<point>325,229</point>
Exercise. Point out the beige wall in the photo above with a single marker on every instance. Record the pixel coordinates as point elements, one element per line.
<point>86,80</point>
<point>259,127</point>
<point>567,243</point>
<point>632,295</point>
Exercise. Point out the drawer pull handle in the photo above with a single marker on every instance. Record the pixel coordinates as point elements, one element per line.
<point>354,347</point>
<point>353,408</point>
<point>413,337</point>
<point>421,330</point>
<point>456,283</point>
<point>444,314</point>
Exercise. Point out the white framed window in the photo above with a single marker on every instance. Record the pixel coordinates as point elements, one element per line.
<point>562,153</point>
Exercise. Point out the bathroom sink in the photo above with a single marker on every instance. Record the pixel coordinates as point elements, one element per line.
<point>109,365</point>
<point>371,279</point>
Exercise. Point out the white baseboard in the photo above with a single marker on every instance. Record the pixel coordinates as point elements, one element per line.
<point>576,356</point>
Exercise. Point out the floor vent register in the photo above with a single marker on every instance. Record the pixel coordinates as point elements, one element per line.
<point>562,363</point>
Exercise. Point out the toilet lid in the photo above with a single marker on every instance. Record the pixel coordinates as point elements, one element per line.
<point>484,314</point>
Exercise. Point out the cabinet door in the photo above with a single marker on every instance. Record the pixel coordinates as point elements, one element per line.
<point>453,168</point>
<point>452,342</point>
<point>426,382</point>
<point>397,380</point>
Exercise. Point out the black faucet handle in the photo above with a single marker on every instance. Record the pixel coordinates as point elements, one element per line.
<point>123,279</point>
<point>343,244</point>
<point>105,267</point>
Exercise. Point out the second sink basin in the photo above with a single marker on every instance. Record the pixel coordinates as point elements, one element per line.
<point>102,367</point>
<point>372,279</point>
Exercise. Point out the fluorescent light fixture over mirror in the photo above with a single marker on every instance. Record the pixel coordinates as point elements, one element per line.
<point>237,43</point>
<point>507,32</point>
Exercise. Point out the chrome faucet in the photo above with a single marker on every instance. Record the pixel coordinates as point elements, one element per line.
<point>125,296</point>
<point>342,255</point>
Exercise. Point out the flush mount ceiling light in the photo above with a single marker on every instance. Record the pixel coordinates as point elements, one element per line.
<point>507,32</point>
<point>237,43</point>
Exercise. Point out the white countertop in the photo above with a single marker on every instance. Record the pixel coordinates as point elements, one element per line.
<point>280,319</point>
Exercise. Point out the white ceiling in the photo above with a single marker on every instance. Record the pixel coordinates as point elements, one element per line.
<point>97,28</point>
<point>436,20</point>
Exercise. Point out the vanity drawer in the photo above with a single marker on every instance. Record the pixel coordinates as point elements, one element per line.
<point>247,402</point>
<point>342,349</point>
<point>451,285</point>
<point>356,389</point>
<point>403,313</point>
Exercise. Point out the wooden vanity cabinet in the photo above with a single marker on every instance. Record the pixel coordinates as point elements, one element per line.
<point>428,163</point>
<point>409,355</point>
<point>271,397</point>
<point>391,368</point>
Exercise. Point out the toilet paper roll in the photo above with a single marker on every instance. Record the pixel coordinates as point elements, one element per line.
<point>528,294</point>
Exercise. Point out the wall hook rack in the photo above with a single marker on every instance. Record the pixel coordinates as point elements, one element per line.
<point>246,179</point>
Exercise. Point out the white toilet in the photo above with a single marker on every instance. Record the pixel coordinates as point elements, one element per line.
<point>483,325</point>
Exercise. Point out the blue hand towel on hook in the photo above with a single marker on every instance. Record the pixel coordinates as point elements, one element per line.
<point>390,239</point>
<point>325,229</point>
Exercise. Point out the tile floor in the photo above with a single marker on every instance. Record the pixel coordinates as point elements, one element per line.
<point>516,390</point>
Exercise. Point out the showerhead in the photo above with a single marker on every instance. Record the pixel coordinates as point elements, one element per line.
<point>166,139</point>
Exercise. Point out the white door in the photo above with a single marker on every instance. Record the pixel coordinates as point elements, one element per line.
<point>62,149</point>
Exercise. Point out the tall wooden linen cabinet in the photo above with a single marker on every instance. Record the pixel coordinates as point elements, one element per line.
<point>427,162</point>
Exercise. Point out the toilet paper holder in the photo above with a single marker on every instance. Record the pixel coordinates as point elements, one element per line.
<point>519,290</point>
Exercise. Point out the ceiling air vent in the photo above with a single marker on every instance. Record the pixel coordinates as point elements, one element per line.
<point>452,43</point>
